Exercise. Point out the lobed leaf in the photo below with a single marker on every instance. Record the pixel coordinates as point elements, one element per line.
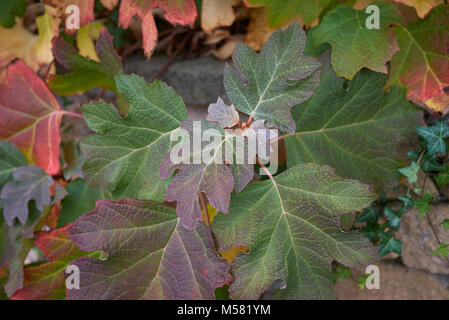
<point>125,155</point>
<point>47,281</point>
<point>10,158</point>
<point>210,175</point>
<point>28,110</point>
<point>150,254</point>
<point>86,74</point>
<point>359,132</point>
<point>354,46</point>
<point>422,63</point>
<point>30,183</point>
<point>266,85</point>
<point>290,224</point>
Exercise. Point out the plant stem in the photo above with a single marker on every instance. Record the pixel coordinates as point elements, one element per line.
<point>281,137</point>
<point>73,114</point>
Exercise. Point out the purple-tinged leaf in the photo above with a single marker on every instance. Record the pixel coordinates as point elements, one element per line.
<point>225,115</point>
<point>30,183</point>
<point>150,254</point>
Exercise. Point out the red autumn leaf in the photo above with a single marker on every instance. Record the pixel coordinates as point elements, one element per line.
<point>47,281</point>
<point>422,63</point>
<point>30,117</point>
<point>176,12</point>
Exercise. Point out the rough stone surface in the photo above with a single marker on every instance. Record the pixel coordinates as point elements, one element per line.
<point>419,240</point>
<point>396,283</point>
<point>198,81</point>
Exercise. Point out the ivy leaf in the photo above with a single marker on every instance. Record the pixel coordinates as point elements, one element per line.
<point>290,226</point>
<point>281,12</point>
<point>47,281</point>
<point>423,204</point>
<point>210,176</point>
<point>225,115</point>
<point>177,12</point>
<point>80,199</point>
<point>408,201</point>
<point>28,109</point>
<point>174,264</point>
<point>371,231</point>
<point>411,172</point>
<point>422,63</point>
<point>443,178</point>
<point>10,158</point>
<point>361,130</point>
<point>124,156</point>
<point>423,7</point>
<point>394,217</point>
<point>354,46</point>
<point>9,9</point>
<point>370,214</point>
<point>266,85</point>
<point>86,74</point>
<point>443,250</point>
<point>445,224</point>
<point>388,244</point>
<point>30,183</point>
<point>434,136</point>
<point>428,163</point>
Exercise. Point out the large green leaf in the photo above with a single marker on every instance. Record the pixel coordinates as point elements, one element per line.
<point>354,46</point>
<point>125,155</point>
<point>359,129</point>
<point>150,254</point>
<point>266,85</point>
<point>290,225</point>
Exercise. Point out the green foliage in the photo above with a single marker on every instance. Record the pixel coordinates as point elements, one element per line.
<point>443,178</point>
<point>354,46</point>
<point>9,9</point>
<point>411,172</point>
<point>360,130</point>
<point>443,250</point>
<point>275,218</point>
<point>423,203</point>
<point>434,136</point>
<point>388,244</point>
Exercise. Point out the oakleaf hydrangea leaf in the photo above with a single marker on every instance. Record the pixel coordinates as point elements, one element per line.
<point>86,74</point>
<point>360,131</point>
<point>434,136</point>
<point>225,115</point>
<point>290,224</point>
<point>422,63</point>
<point>443,178</point>
<point>30,117</point>
<point>124,156</point>
<point>150,254</point>
<point>30,183</point>
<point>388,244</point>
<point>209,176</point>
<point>354,46</point>
<point>266,85</point>
<point>10,158</point>
<point>411,172</point>
<point>47,281</point>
